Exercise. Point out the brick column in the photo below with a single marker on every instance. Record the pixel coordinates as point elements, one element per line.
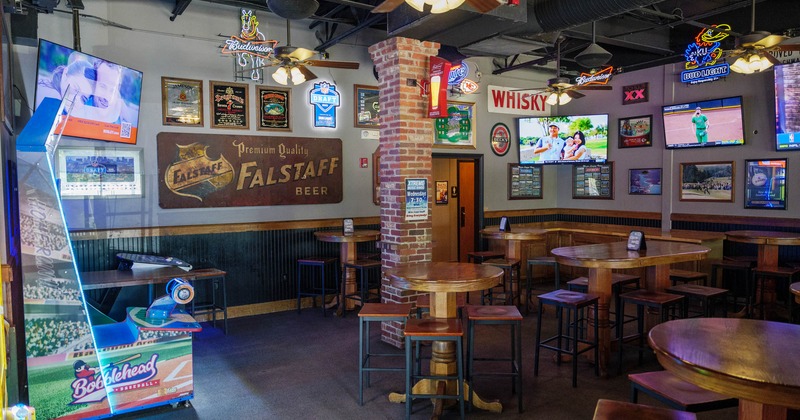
<point>405,151</point>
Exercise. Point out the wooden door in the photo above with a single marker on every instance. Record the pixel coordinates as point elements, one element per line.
<point>466,208</point>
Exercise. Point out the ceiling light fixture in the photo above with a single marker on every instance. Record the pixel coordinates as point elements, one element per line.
<point>438,6</point>
<point>751,63</point>
<point>281,76</point>
<point>558,98</point>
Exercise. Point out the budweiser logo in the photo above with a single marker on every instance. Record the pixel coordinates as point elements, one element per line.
<point>598,78</point>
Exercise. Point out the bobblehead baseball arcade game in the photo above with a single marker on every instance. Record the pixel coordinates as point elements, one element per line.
<point>81,363</point>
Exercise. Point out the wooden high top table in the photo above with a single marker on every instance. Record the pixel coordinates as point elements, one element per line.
<point>600,259</point>
<point>755,361</point>
<point>443,280</point>
<point>514,239</point>
<point>347,253</point>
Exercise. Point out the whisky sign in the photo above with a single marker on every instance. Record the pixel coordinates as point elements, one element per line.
<point>208,170</point>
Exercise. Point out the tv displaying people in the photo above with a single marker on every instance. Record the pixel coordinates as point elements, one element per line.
<point>563,139</point>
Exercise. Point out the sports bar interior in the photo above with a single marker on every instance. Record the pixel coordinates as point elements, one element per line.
<point>385,209</point>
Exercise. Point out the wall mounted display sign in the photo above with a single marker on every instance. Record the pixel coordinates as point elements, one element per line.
<point>457,74</point>
<point>500,138</point>
<point>634,94</point>
<point>325,98</point>
<point>765,187</point>
<point>99,172</point>
<point>508,100</point>
<point>250,48</point>
<point>229,105</point>
<point>209,170</point>
<point>636,131</point>
<point>524,181</point>
<point>593,181</point>
<point>644,181</point>
<point>457,130</point>
<point>367,106</point>
<point>181,102</point>
<point>437,97</point>
<point>703,56</point>
<point>274,108</point>
<point>441,192</point>
<point>598,78</point>
<point>707,181</point>
<point>416,199</point>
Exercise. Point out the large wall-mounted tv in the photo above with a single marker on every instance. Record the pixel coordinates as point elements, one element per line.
<point>716,122</point>
<point>108,95</point>
<point>563,139</point>
<point>787,107</point>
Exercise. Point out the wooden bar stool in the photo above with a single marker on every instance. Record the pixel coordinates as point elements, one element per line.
<point>546,261</point>
<point>433,329</point>
<point>735,276</point>
<point>496,315</point>
<point>424,303</point>
<point>320,283</point>
<point>376,312</point>
<point>686,276</point>
<point>511,270</point>
<point>572,302</point>
<point>663,302</point>
<point>619,283</point>
<point>478,257</point>
<point>706,295</point>
<point>676,393</point>
<point>785,275</point>
<point>368,276</point>
<point>617,410</point>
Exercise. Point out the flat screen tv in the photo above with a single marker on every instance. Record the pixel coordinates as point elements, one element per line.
<point>563,139</point>
<point>716,122</point>
<point>787,111</point>
<point>106,105</point>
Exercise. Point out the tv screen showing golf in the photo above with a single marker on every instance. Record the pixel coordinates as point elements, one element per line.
<point>563,139</point>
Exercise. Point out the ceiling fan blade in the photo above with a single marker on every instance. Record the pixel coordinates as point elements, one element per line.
<point>483,6</point>
<point>573,94</point>
<point>770,41</point>
<point>771,58</point>
<point>333,64</point>
<point>301,54</point>
<point>593,87</point>
<point>387,6</point>
<point>788,47</point>
<point>307,73</point>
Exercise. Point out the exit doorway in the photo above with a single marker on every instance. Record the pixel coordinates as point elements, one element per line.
<point>458,214</point>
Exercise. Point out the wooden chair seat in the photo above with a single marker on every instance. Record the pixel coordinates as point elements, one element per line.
<point>676,393</point>
<point>493,313</point>
<point>389,310</point>
<point>434,327</point>
<point>616,410</point>
<point>687,276</point>
<point>650,298</point>
<point>479,257</point>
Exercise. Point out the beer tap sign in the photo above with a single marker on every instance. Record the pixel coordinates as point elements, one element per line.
<point>437,99</point>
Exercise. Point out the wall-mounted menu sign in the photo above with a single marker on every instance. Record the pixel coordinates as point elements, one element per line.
<point>229,105</point>
<point>209,170</point>
<point>593,181</point>
<point>524,181</point>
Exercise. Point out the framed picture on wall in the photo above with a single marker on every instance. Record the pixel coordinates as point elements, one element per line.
<point>765,184</point>
<point>593,181</point>
<point>181,102</point>
<point>367,107</point>
<point>707,181</point>
<point>230,105</point>
<point>274,109</point>
<point>644,181</point>
<point>99,172</point>
<point>636,131</point>
<point>524,181</point>
<point>441,192</point>
<point>458,129</point>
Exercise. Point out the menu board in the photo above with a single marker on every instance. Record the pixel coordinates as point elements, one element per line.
<point>593,181</point>
<point>229,105</point>
<point>524,181</point>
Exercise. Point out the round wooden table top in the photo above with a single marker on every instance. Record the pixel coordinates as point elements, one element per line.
<point>616,254</point>
<point>364,235</point>
<point>517,233</point>
<point>445,277</point>
<point>745,358</point>
<point>763,237</point>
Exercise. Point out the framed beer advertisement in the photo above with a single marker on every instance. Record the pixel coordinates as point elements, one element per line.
<point>593,181</point>
<point>229,105</point>
<point>765,186</point>
<point>367,107</point>
<point>457,130</point>
<point>274,111</point>
<point>181,102</point>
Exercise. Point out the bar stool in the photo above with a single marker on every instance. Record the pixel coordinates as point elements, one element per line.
<point>496,315</point>
<point>686,276</point>
<point>478,257</point>
<point>663,302</point>
<point>546,261</point>
<point>739,283</point>
<point>511,274</point>
<point>615,410</point>
<point>619,283</point>
<point>368,276</point>
<point>678,394</point>
<point>217,282</point>
<point>319,284</point>
<point>785,275</point>
<point>424,303</point>
<point>572,301</point>
<point>376,312</point>
<point>706,295</point>
<point>433,329</point>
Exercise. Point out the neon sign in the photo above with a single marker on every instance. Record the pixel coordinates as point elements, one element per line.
<point>325,99</point>
<point>601,77</point>
<point>250,47</point>
<point>458,73</point>
<point>703,54</point>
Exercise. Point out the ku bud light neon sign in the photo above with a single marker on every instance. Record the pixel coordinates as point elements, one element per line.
<point>703,54</point>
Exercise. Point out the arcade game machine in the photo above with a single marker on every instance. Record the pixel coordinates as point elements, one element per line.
<point>81,363</point>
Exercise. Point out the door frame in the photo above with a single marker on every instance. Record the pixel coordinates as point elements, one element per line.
<point>478,160</point>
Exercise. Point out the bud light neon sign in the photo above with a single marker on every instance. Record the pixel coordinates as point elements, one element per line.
<point>703,54</point>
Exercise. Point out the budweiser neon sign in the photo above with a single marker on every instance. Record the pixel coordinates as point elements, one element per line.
<point>601,77</point>
<point>250,47</point>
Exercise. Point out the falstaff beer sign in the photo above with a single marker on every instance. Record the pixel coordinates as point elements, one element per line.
<point>207,170</point>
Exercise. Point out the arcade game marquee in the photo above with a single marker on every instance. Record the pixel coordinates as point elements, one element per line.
<point>81,363</point>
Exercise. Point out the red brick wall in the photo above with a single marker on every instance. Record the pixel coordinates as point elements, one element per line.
<point>405,144</point>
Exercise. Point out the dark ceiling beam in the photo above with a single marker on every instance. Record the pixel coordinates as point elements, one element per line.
<point>352,4</point>
<point>330,13</point>
<point>366,23</point>
<point>540,61</point>
<point>618,42</point>
<point>180,6</point>
<point>686,20</point>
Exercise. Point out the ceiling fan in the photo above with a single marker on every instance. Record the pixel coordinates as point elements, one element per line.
<point>439,6</point>
<point>560,90</point>
<point>293,62</point>
<point>753,52</point>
